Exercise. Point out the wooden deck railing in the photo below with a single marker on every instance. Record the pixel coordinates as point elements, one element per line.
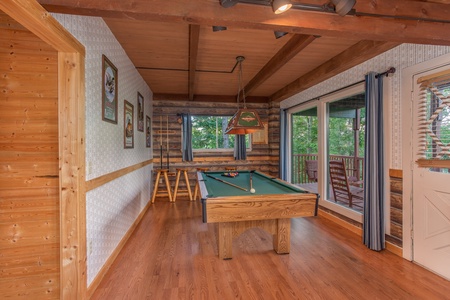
<point>354,166</point>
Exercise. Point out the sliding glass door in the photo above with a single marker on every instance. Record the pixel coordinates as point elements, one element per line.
<point>330,131</point>
<point>345,151</point>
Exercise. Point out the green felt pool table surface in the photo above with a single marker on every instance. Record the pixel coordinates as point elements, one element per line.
<point>262,184</point>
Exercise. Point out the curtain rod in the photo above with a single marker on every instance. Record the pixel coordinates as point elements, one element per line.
<point>391,70</point>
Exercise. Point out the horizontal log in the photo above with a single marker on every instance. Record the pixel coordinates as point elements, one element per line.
<point>396,215</point>
<point>396,185</point>
<point>397,230</point>
<point>396,200</point>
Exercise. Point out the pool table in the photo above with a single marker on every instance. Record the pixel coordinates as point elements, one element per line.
<point>229,202</point>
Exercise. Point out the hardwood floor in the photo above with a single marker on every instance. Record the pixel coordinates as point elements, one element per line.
<point>173,255</point>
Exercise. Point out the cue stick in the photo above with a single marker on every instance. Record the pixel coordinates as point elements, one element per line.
<point>251,180</point>
<point>160,142</point>
<point>226,182</point>
<point>167,138</point>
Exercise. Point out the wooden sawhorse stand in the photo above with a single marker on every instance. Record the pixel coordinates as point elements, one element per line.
<point>188,186</point>
<point>168,191</point>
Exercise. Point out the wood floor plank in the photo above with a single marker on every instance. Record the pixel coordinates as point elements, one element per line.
<point>173,255</point>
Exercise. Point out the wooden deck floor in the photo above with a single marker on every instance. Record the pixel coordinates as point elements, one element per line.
<point>173,255</point>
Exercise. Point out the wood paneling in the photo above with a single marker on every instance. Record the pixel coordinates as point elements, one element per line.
<point>57,85</point>
<point>29,190</point>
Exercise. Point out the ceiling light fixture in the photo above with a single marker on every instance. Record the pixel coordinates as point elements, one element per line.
<point>245,120</point>
<point>228,3</point>
<point>279,34</point>
<point>343,7</point>
<point>281,6</point>
<point>219,28</point>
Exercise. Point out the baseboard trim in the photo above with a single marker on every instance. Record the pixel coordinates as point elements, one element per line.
<point>389,246</point>
<point>96,282</point>
<point>394,249</point>
<point>340,222</point>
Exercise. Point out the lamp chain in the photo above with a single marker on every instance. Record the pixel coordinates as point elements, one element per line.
<point>240,86</point>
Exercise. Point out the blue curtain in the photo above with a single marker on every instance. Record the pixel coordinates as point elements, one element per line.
<point>373,230</point>
<point>186,143</point>
<point>240,149</point>
<point>283,144</point>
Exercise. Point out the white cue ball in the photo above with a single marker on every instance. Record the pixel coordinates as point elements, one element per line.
<point>252,191</point>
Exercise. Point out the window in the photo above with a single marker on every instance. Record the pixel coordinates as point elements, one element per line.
<point>208,133</point>
<point>434,123</point>
<point>304,141</point>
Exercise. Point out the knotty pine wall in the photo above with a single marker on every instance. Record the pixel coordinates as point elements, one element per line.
<point>263,157</point>
<point>29,197</point>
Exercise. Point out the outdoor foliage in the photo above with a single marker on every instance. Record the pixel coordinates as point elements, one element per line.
<point>340,135</point>
<point>208,133</point>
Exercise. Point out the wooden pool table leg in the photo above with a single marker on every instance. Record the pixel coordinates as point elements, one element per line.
<point>225,239</point>
<point>282,237</point>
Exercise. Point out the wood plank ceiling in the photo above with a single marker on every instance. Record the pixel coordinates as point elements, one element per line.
<point>173,46</point>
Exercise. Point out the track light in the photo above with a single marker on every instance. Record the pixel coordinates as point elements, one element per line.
<point>343,7</point>
<point>228,3</point>
<point>280,6</point>
<point>219,28</point>
<point>279,34</point>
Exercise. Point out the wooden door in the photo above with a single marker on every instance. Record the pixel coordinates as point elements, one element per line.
<point>431,207</point>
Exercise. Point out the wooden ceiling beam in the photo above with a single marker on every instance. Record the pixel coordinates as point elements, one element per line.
<point>297,43</point>
<point>194,36</point>
<point>209,98</point>
<point>207,12</point>
<point>37,20</point>
<point>353,56</point>
<point>404,9</point>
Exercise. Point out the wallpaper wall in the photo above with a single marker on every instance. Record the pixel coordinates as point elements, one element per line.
<point>113,207</point>
<point>401,57</point>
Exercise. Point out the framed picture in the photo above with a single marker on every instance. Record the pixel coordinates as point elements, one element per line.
<point>148,132</point>
<point>128,128</point>
<point>109,91</point>
<point>261,136</point>
<point>140,112</point>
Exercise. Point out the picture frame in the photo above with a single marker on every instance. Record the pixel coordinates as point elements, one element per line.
<point>148,132</point>
<point>128,125</point>
<point>261,137</point>
<point>140,112</point>
<point>109,91</point>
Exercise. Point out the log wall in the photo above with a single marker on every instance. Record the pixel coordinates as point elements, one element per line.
<point>396,209</point>
<point>263,157</point>
<point>29,189</point>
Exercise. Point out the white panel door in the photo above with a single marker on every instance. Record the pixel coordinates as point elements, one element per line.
<point>431,212</point>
